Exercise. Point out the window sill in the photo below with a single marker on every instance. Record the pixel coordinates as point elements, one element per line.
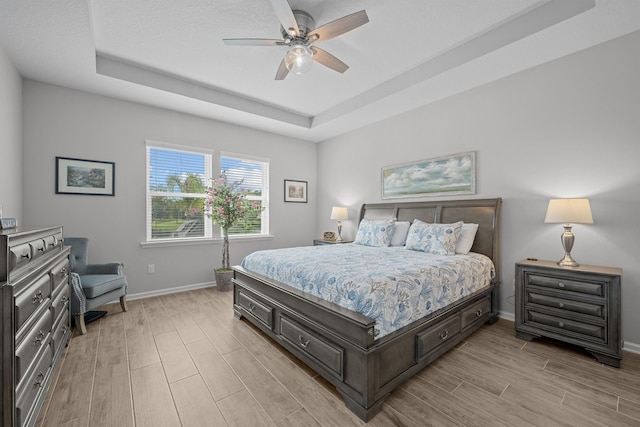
<point>202,241</point>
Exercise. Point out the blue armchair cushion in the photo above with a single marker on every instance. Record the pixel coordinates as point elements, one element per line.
<point>95,285</point>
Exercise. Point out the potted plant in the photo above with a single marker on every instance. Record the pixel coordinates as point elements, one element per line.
<point>226,204</point>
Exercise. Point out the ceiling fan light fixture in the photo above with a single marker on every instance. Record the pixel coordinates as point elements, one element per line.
<point>299,58</point>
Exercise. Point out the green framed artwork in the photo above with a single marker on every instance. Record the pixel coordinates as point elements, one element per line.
<point>450,175</point>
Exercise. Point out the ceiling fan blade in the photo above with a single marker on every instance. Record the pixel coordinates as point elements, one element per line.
<point>253,42</point>
<point>339,26</point>
<point>328,60</point>
<point>285,16</point>
<point>282,71</point>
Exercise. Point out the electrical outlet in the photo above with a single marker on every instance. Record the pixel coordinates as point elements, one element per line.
<point>151,268</point>
<point>514,284</point>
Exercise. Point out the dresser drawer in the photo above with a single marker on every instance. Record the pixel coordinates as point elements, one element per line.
<point>434,337</point>
<point>60,302</point>
<point>53,241</point>
<point>556,282</point>
<point>60,332</point>
<point>259,310</point>
<point>38,248</point>
<point>33,341</point>
<point>595,310</point>
<point>60,274</point>
<point>319,348</point>
<point>476,312</point>
<point>559,325</point>
<point>19,255</point>
<point>31,298</point>
<point>28,391</point>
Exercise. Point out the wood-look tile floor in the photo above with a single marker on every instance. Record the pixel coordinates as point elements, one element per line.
<point>184,360</point>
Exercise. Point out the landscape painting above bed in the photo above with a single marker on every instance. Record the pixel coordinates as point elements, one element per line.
<point>447,175</point>
<point>367,330</point>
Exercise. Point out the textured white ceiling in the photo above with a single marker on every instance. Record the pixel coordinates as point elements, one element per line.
<point>412,52</point>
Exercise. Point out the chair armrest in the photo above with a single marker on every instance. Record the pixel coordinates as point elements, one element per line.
<point>78,298</point>
<point>108,268</point>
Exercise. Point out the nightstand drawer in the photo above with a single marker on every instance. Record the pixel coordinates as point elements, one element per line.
<point>565,326</point>
<point>596,310</point>
<point>557,282</point>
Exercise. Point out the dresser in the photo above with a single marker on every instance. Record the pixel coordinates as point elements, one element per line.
<point>581,306</point>
<point>35,319</point>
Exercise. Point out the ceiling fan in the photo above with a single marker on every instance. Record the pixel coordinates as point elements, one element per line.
<point>300,35</point>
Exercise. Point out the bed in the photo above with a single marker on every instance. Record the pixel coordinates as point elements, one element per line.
<point>346,347</point>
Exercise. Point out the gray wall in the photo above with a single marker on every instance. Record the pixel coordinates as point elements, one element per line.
<point>69,123</point>
<point>569,128</point>
<point>10,139</point>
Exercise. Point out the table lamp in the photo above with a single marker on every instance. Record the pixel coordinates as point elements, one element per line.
<point>339,213</point>
<point>568,211</point>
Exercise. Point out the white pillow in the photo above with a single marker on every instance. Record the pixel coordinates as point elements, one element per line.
<point>467,236</point>
<point>400,230</point>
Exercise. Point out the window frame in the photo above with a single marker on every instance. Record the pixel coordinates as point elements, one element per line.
<point>208,166</point>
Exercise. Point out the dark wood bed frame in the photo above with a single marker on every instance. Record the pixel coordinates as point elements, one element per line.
<point>339,344</point>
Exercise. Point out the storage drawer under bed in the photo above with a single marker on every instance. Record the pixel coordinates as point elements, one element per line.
<point>260,311</point>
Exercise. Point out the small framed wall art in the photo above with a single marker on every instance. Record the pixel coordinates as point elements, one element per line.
<point>89,177</point>
<point>295,191</point>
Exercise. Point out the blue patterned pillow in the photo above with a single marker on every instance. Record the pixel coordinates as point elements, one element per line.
<point>437,239</point>
<point>374,233</point>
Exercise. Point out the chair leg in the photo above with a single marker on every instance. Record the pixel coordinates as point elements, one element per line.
<point>123,302</point>
<point>79,318</point>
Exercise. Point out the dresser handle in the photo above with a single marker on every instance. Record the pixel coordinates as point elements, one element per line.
<point>561,324</point>
<point>39,380</point>
<point>444,335</point>
<point>64,300</point>
<point>41,249</point>
<point>37,298</point>
<point>303,343</point>
<point>63,270</point>
<point>560,285</point>
<point>38,339</point>
<point>561,305</point>
<point>27,255</point>
<point>251,307</point>
<point>479,312</point>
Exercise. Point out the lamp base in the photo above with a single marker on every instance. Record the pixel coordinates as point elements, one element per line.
<point>567,261</point>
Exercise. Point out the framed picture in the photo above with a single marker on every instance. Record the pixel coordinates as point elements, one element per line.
<point>77,176</point>
<point>454,174</point>
<point>295,191</point>
<point>329,235</point>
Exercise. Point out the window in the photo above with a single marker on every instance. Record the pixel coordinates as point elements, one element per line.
<point>254,174</point>
<point>176,179</point>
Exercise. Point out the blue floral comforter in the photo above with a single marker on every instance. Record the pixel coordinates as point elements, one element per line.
<point>394,285</point>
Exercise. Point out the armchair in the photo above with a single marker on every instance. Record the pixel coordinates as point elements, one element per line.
<point>92,285</point>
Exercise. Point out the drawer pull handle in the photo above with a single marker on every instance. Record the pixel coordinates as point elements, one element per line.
<point>39,380</point>
<point>560,285</point>
<point>479,312</point>
<point>27,255</point>
<point>303,343</point>
<point>444,334</point>
<point>251,307</point>
<point>561,305</point>
<point>63,271</point>
<point>37,298</point>
<point>38,339</point>
<point>561,324</point>
<point>64,300</point>
<point>41,249</point>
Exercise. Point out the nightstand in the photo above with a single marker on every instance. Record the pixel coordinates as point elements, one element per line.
<point>581,306</point>
<point>318,242</point>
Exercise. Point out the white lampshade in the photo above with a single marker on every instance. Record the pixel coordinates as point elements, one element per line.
<point>569,211</point>
<point>339,213</point>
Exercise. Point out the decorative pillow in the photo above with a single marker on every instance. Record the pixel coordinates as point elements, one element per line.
<point>437,239</point>
<point>374,233</point>
<point>467,236</point>
<point>400,231</point>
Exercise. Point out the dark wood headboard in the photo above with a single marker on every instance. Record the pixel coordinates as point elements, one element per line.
<point>484,212</point>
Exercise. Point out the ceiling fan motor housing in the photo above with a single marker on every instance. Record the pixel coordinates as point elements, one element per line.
<point>305,22</point>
